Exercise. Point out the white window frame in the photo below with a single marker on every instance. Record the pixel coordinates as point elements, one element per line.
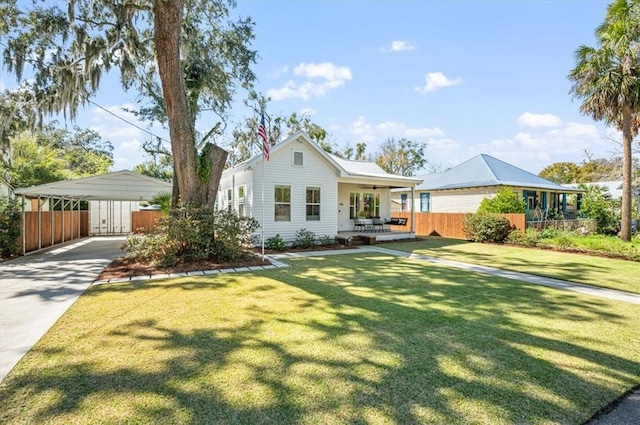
<point>281,203</point>
<point>313,202</point>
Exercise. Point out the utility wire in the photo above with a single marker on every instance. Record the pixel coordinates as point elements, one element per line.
<point>87,99</point>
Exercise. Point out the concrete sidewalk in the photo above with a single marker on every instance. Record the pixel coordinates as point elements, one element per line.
<point>35,290</point>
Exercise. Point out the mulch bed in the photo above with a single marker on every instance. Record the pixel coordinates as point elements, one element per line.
<point>127,267</point>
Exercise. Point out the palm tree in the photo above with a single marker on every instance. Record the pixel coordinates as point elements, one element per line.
<point>607,79</point>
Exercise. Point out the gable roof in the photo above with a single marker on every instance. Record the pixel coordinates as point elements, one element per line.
<point>345,168</point>
<point>484,170</point>
<point>122,185</point>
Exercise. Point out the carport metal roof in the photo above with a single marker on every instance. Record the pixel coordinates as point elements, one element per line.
<point>117,186</point>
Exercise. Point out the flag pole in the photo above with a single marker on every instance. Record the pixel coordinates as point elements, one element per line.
<point>264,137</point>
<point>263,161</point>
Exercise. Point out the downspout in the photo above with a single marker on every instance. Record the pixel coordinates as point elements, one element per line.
<point>39,223</point>
<point>51,220</point>
<point>62,211</point>
<point>24,226</point>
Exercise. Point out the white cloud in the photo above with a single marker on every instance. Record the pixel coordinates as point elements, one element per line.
<point>366,132</point>
<point>278,72</point>
<point>533,151</point>
<point>399,46</point>
<point>326,70</point>
<point>437,80</point>
<point>334,76</point>
<point>539,120</point>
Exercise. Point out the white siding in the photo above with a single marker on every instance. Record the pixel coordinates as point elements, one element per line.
<point>279,170</point>
<point>467,200</point>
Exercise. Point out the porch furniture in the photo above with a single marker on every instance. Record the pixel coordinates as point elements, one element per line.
<point>359,225</point>
<point>377,224</point>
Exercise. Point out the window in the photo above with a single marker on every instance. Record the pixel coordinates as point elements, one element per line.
<point>313,204</point>
<point>403,201</point>
<point>298,159</point>
<point>241,201</point>
<point>425,202</point>
<point>229,199</point>
<point>364,205</point>
<point>282,203</point>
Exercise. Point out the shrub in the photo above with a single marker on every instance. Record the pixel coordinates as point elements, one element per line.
<point>9,226</point>
<point>327,240</point>
<point>275,243</point>
<point>597,207</point>
<point>505,201</point>
<point>483,227</point>
<point>305,239</point>
<point>192,234</point>
<point>528,238</point>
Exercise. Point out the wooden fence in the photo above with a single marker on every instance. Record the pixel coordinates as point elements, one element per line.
<point>141,220</point>
<point>447,224</point>
<point>55,227</point>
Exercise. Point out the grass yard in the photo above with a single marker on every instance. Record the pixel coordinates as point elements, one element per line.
<point>597,271</point>
<point>357,338</point>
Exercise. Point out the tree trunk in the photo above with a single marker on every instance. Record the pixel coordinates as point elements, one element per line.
<point>216,157</point>
<point>167,29</point>
<point>627,138</point>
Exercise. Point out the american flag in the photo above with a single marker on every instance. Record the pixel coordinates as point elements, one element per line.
<point>262,133</point>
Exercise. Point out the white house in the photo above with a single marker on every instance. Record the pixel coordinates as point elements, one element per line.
<point>305,187</point>
<point>463,187</point>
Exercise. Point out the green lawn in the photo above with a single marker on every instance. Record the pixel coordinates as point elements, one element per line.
<point>598,271</point>
<point>358,338</point>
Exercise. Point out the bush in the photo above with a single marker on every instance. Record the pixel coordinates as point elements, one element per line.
<point>483,227</point>
<point>528,238</point>
<point>506,201</point>
<point>275,243</point>
<point>327,240</point>
<point>9,227</point>
<point>305,239</point>
<point>192,234</point>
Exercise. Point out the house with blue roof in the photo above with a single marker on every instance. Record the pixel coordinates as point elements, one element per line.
<point>463,187</point>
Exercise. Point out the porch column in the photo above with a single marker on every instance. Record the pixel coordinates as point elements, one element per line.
<point>24,226</point>
<point>564,202</point>
<point>413,211</point>
<point>39,223</point>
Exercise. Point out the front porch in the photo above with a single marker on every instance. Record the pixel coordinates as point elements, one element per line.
<point>371,238</point>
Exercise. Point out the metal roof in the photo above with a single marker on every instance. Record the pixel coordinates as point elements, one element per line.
<point>122,185</point>
<point>484,170</point>
<point>358,171</point>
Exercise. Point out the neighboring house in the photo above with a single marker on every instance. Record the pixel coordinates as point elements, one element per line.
<point>613,189</point>
<point>305,187</point>
<point>463,187</point>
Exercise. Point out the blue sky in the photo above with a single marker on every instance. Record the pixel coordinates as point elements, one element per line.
<point>467,77</point>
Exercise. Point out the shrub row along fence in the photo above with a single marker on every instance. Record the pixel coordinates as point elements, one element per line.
<point>447,224</point>
<point>55,227</point>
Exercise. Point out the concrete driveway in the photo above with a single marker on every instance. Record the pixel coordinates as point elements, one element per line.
<point>35,290</point>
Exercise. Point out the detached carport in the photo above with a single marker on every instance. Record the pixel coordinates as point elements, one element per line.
<point>41,229</point>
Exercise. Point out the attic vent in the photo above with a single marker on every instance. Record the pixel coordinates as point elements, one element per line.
<point>298,159</point>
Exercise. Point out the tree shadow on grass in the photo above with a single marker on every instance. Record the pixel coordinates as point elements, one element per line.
<point>356,339</point>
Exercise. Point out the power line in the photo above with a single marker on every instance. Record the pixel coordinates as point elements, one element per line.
<point>87,99</point>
